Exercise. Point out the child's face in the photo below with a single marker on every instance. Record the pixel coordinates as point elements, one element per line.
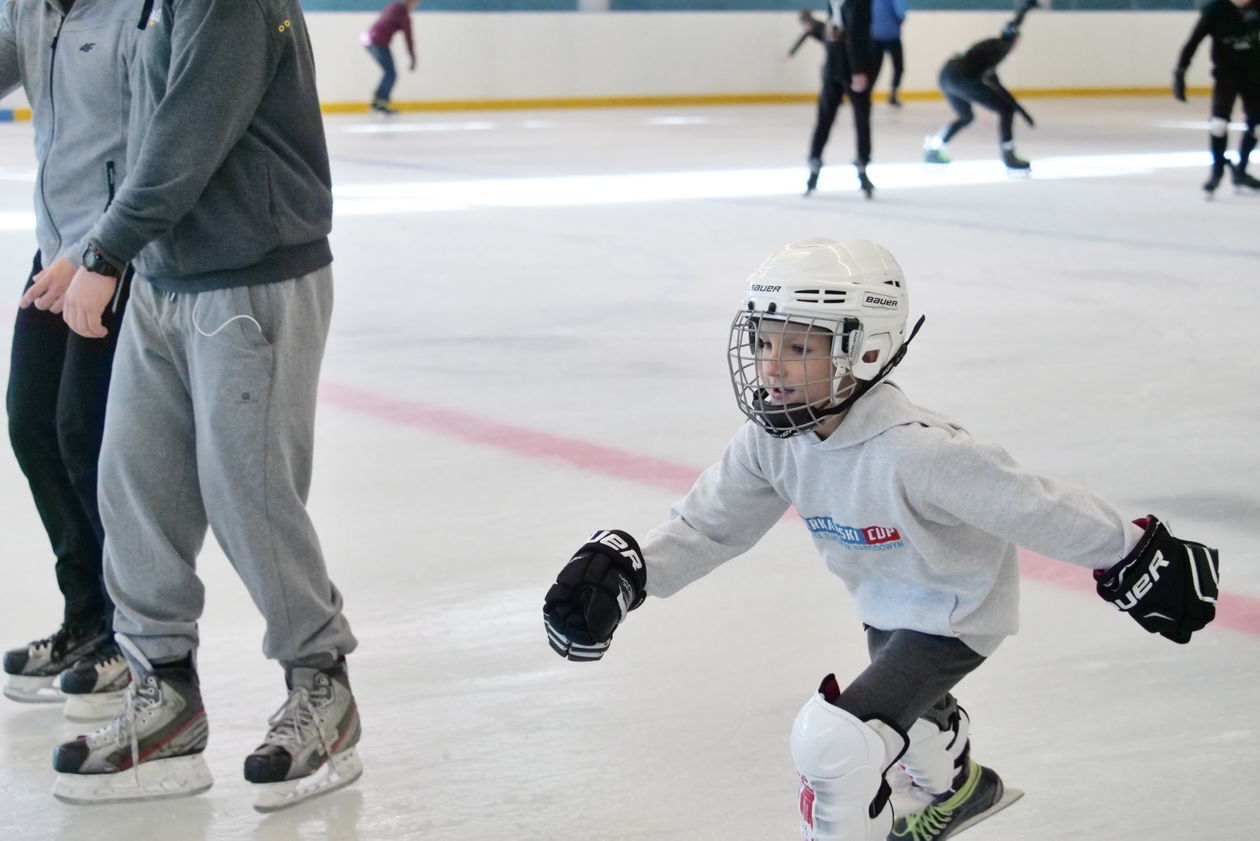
<point>794,362</point>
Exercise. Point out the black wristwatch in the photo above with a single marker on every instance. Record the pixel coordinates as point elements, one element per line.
<point>97,263</point>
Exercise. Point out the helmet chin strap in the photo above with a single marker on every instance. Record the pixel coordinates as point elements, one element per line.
<point>864,386</point>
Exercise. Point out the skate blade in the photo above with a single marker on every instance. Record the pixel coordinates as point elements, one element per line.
<point>159,779</point>
<point>1009,796</point>
<point>340,771</point>
<point>93,706</point>
<point>33,690</point>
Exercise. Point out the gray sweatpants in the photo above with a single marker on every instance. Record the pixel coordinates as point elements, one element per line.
<point>210,421</point>
<point>910,675</point>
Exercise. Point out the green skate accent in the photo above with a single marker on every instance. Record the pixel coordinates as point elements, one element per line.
<point>934,822</point>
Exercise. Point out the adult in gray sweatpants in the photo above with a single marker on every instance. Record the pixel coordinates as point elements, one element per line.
<point>226,214</point>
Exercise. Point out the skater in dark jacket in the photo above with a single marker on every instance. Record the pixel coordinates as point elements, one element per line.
<point>970,78</point>
<point>846,72</point>
<point>813,28</point>
<point>1234,26</point>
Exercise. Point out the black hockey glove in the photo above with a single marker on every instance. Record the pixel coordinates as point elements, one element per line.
<point>1179,85</point>
<point>1167,585</point>
<point>599,585</point>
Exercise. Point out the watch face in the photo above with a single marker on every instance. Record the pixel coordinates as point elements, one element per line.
<point>94,262</point>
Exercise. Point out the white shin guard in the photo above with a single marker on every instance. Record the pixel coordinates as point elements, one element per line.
<point>932,759</point>
<point>841,761</point>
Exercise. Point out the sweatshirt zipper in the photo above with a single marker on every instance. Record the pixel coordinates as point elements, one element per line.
<point>111,181</point>
<point>52,110</point>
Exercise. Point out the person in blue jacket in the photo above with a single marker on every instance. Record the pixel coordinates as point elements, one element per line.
<point>887,18</point>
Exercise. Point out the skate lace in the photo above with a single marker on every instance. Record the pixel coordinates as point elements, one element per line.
<point>926,825</point>
<point>296,721</point>
<point>104,656</point>
<point>122,729</point>
<point>54,643</point>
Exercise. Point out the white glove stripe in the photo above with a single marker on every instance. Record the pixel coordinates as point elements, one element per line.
<point>1195,557</point>
<point>573,650</point>
<point>1212,565</point>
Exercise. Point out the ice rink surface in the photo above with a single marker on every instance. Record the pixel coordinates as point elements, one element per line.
<point>529,344</point>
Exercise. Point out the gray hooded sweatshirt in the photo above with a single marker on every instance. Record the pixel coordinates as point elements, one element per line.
<point>228,181</point>
<point>74,67</point>
<point>919,520</point>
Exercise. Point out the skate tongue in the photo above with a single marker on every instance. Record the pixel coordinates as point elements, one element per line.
<point>301,677</point>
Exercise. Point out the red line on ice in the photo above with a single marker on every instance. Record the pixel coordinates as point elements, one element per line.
<point>1236,612</point>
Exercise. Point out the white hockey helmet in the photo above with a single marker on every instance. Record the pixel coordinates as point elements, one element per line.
<point>854,290</point>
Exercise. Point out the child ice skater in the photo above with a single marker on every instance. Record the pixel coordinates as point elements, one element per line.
<point>919,520</point>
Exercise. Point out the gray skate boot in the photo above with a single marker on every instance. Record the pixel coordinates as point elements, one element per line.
<point>94,685</point>
<point>152,749</point>
<point>33,668</point>
<point>310,748</point>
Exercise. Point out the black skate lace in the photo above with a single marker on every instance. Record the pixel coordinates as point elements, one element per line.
<point>55,643</point>
<point>104,655</point>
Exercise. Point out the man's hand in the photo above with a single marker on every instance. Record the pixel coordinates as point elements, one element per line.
<point>858,82</point>
<point>85,302</point>
<point>48,289</point>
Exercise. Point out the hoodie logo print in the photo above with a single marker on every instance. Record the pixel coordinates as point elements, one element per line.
<point>876,538</point>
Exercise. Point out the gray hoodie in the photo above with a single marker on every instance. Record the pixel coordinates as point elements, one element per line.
<point>919,520</point>
<point>73,66</point>
<point>228,181</point>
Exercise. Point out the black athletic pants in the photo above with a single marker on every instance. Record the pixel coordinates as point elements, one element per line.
<point>835,87</point>
<point>894,50</point>
<point>58,383</point>
<point>1224,91</point>
<point>961,90</point>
